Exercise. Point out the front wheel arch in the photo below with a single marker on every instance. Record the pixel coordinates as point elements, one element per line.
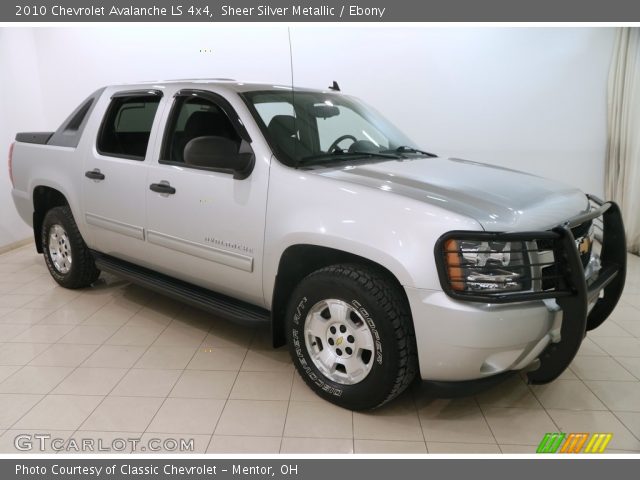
<point>298,261</point>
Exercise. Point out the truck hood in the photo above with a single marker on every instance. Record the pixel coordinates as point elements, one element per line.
<point>500,199</point>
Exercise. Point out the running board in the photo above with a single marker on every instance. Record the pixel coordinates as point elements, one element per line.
<point>229,308</point>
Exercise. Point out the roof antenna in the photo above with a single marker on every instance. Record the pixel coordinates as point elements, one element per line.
<point>335,87</point>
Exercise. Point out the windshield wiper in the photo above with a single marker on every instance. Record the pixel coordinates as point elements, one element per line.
<point>342,155</point>
<point>407,149</point>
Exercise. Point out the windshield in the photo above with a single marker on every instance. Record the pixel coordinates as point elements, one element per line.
<point>316,128</point>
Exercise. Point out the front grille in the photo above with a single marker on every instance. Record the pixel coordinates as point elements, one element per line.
<point>552,274</point>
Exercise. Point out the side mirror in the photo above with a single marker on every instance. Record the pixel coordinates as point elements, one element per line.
<point>220,154</point>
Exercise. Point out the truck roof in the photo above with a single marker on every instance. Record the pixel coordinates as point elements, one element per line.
<point>223,83</point>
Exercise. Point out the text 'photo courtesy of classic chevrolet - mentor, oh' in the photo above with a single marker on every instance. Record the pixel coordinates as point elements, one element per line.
<point>375,261</point>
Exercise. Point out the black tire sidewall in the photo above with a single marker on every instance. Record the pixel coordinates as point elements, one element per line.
<point>56,216</point>
<point>376,387</point>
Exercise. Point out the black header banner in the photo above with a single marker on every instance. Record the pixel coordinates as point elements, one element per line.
<point>619,11</point>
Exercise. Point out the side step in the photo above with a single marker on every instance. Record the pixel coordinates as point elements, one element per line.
<point>229,308</point>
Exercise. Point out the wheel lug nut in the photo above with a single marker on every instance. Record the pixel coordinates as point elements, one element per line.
<point>332,330</point>
<point>350,339</point>
<point>348,350</point>
<point>343,329</point>
<point>331,341</point>
<point>338,351</point>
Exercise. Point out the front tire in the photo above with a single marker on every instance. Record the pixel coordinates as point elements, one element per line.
<point>351,336</point>
<point>68,258</point>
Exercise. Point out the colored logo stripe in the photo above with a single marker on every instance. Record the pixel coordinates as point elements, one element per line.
<point>574,443</point>
<point>598,443</point>
<point>558,442</point>
<point>550,442</point>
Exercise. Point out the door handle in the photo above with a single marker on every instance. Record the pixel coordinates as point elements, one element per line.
<point>162,188</point>
<point>94,174</point>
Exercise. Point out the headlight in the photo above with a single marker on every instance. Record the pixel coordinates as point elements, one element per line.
<point>482,266</point>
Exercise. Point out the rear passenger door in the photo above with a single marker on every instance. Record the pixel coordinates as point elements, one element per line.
<point>114,182</point>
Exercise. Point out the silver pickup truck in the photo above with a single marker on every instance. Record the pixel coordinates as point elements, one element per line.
<point>306,210</point>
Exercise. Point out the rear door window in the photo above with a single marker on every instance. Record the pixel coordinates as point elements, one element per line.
<point>127,125</point>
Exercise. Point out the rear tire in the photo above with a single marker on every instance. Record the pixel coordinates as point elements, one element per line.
<point>68,258</point>
<point>351,336</point>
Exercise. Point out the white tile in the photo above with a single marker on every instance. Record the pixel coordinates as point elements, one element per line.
<point>16,300</point>
<point>318,420</point>
<point>262,386</point>
<point>454,421</point>
<point>63,355</point>
<point>115,356</point>
<point>13,406</point>
<point>567,394</point>
<point>600,368</point>
<point>632,364</point>
<point>7,370</point>
<point>90,381</point>
<point>513,392</point>
<point>243,444</point>
<point>386,446</point>
<point>267,361</point>
<point>204,384</point>
<point>618,395</point>
<point>10,330</point>
<point>631,420</point>
<point>141,335</point>
<point>463,448</point>
<point>228,335</point>
<point>187,415</point>
<point>34,379</point>
<point>89,334</point>
<point>397,420</point>
<point>302,392</point>
<point>26,316</point>
<point>520,426</point>
<point>59,412</point>
<point>213,358</point>
<point>316,445</point>
<point>43,334</point>
<point>122,414</point>
<point>257,418</point>
<point>618,346</point>
<point>169,358</point>
<point>147,382</point>
<point>20,353</point>
<point>588,347</point>
<point>179,336</point>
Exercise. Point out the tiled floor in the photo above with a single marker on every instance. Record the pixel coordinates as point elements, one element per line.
<point>117,362</point>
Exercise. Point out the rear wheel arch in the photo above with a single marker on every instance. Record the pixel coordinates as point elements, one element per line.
<point>44,199</point>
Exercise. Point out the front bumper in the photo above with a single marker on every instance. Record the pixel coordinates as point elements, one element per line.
<point>470,338</point>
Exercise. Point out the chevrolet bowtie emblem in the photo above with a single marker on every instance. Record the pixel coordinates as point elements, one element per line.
<point>339,341</point>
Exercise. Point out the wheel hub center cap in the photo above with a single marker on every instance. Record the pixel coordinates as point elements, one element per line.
<point>340,340</point>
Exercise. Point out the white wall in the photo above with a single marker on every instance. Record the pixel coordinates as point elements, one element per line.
<point>533,99</point>
<point>20,109</point>
<point>529,98</point>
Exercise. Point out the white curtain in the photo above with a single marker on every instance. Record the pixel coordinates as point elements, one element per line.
<point>622,173</point>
